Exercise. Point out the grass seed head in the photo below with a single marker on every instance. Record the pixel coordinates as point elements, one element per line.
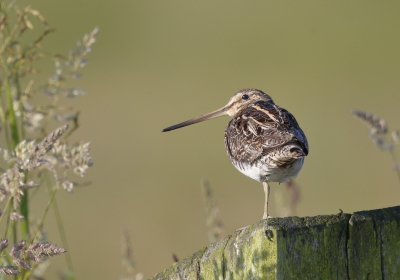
<point>376,125</point>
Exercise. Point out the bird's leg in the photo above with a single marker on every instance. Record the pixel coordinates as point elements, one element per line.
<point>266,190</point>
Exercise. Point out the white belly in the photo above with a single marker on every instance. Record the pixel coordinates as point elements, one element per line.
<point>263,173</point>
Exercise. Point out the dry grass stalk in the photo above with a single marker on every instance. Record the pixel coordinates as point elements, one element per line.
<point>396,136</point>
<point>127,258</point>
<point>214,221</point>
<point>378,132</point>
<point>377,128</point>
<point>26,159</point>
<point>9,270</point>
<point>14,216</point>
<point>21,254</point>
<point>376,124</point>
<point>287,199</point>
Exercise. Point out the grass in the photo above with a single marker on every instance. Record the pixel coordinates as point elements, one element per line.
<point>381,136</point>
<point>34,157</point>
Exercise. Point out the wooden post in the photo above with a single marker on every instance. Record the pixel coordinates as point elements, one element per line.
<point>362,245</point>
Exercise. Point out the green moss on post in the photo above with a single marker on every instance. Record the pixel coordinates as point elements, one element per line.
<point>312,247</point>
<point>251,253</point>
<point>364,245</point>
<point>374,244</point>
<point>187,268</point>
<point>212,263</point>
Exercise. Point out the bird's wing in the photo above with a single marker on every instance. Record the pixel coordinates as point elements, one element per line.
<point>296,131</point>
<point>260,128</point>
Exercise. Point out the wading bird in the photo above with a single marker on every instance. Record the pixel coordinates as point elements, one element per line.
<point>263,140</point>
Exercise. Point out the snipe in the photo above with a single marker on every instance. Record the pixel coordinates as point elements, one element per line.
<point>263,140</point>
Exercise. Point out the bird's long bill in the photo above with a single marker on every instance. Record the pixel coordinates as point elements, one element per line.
<point>209,116</point>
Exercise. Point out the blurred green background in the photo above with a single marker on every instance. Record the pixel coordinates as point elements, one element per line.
<point>157,63</point>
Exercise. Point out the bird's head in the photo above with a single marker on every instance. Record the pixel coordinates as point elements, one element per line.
<point>243,99</point>
<point>237,103</point>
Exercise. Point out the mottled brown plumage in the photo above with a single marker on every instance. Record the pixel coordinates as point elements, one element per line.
<point>263,140</point>
<point>266,135</point>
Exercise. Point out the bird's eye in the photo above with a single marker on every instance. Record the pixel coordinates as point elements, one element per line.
<point>245,97</point>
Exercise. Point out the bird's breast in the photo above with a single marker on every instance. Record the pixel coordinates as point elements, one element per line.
<point>264,172</point>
